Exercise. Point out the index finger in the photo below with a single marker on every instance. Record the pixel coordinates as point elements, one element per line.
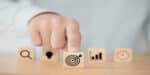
<point>73,35</point>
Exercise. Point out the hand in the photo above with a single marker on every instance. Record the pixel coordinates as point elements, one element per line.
<point>53,31</point>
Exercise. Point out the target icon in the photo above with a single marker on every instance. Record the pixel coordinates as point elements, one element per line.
<point>72,59</point>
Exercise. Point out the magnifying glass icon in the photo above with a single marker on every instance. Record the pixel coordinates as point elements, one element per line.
<point>25,54</point>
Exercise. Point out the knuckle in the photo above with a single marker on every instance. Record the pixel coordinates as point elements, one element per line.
<point>58,43</point>
<point>75,39</point>
<point>61,45</point>
<point>73,25</point>
<point>43,24</point>
<point>56,19</point>
<point>74,21</point>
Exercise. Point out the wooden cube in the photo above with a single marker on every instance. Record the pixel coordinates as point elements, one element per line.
<point>73,59</point>
<point>50,56</point>
<point>123,55</point>
<point>96,55</point>
<point>26,54</point>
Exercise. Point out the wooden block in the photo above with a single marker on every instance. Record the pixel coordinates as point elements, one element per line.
<point>73,59</point>
<point>50,56</point>
<point>123,55</point>
<point>96,55</point>
<point>26,54</point>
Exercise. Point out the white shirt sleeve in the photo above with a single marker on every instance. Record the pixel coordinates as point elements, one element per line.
<point>14,18</point>
<point>17,13</point>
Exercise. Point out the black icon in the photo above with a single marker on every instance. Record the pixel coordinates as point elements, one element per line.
<point>25,54</point>
<point>49,54</point>
<point>73,60</point>
<point>97,56</point>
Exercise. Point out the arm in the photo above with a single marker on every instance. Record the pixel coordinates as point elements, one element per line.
<point>46,29</point>
<point>17,14</point>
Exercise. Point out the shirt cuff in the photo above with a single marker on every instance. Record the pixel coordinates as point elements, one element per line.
<point>25,15</point>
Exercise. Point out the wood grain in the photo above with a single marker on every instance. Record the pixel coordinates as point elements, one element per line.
<point>139,66</point>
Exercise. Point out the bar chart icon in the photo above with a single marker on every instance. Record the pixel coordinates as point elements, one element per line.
<point>96,55</point>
